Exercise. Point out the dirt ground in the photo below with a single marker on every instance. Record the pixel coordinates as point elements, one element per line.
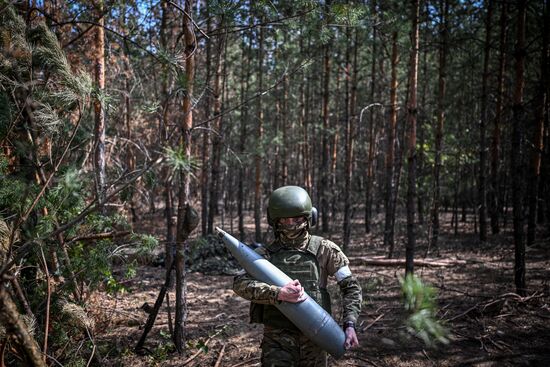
<point>489,325</point>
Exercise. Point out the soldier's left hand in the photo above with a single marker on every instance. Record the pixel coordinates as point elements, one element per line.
<point>351,338</point>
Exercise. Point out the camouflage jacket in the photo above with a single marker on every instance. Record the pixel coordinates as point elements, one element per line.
<point>332,262</point>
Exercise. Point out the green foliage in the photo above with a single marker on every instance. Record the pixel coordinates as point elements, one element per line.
<point>145,243</point>
<point>14,194</point>
<point>108,101</point>
<point>201,344</point>
<point>226,8</point>
<point>167,58</point>
<point>178,162</point>
<point>420,300</point>
<point>66,198</point>
<point>161,352</point>
<point>68,336</point>
<point>348,14</point>
<point>150,179</point>
<point>6,114</point>
<point>182,83</point>
<point>325,36</point>
<point>151,107</point>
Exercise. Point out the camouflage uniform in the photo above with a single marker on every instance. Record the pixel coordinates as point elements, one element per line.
<point>287,346</point>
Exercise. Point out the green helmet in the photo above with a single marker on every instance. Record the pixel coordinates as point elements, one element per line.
<point>290,201</point>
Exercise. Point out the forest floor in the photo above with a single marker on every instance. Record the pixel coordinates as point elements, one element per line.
<point>488,323</point>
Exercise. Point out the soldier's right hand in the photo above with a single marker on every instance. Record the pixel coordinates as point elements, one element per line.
<point>292,292</point>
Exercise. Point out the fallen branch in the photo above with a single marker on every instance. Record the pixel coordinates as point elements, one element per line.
<point>153,314</point>
<point>99,236</point>
<point>372,323</point>
<point>379,261</point>
<point>220,356</point>
<point>13,322</point>
<point>190,359</point>
<point>247,362</point>
<point>366,360</point>
<point>483,305</point>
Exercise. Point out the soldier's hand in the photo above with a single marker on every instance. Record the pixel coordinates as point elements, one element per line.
<point>292,292</point>
<point>351,338</point>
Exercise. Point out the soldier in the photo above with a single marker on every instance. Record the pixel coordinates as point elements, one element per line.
<point>309,260</point>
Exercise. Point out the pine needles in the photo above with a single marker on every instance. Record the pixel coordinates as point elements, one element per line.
<point>420,300</point>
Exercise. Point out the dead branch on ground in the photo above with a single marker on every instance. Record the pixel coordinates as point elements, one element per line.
<point>482,306</point>
<point>380,261</point>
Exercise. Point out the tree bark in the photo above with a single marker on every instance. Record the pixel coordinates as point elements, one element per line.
<point>284,117</point>
<point>168,191</point>
<point>495,191</point>
<point>482,195</point>
<point>99,117</point>
<point>304,103</point>
<point>443,30</point>
<point>130,155</point>
<point>351,89</point>
<point>205,149</point>
<point>259,137</point>
<point>369,172</point>
<point>538,143</point>
<point>411,152</point>
<point>517,152</point>
<point>323,189</point>
<point>245,87</point>
<point>390,158</point>
<point>187,217</point>
<point>215,178</point>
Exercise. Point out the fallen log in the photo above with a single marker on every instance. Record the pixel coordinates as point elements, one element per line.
<point>381,261</point>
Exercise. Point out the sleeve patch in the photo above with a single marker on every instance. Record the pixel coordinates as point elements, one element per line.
<point>342,273</point>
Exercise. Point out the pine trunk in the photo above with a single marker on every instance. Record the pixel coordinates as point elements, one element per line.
<point>495,192</point>
<point>259,137</point>
<point>168,192</point>
<point>351,89</point>
<point>482,195</point>
<point>538,137</point>
<point>390,156</point>
<point>245,87</point>
<point>517,152</point>
<point>306,151</point>
<point>411,153</point>
<point>205,149</point>
<point>186,215</point>
<point>323,189</point>
<point>215,175</point>
<point>369,172</point>
<point>99,117</point>
<point>286,143</point>
<point>440,123</point>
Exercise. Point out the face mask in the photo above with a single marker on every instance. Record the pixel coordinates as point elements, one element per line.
<point>293,234</point>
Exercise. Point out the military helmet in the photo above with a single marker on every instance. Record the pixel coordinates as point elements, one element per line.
<point>290,201</point>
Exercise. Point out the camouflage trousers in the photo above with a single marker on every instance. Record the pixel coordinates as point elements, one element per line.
<point>290,348</point>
